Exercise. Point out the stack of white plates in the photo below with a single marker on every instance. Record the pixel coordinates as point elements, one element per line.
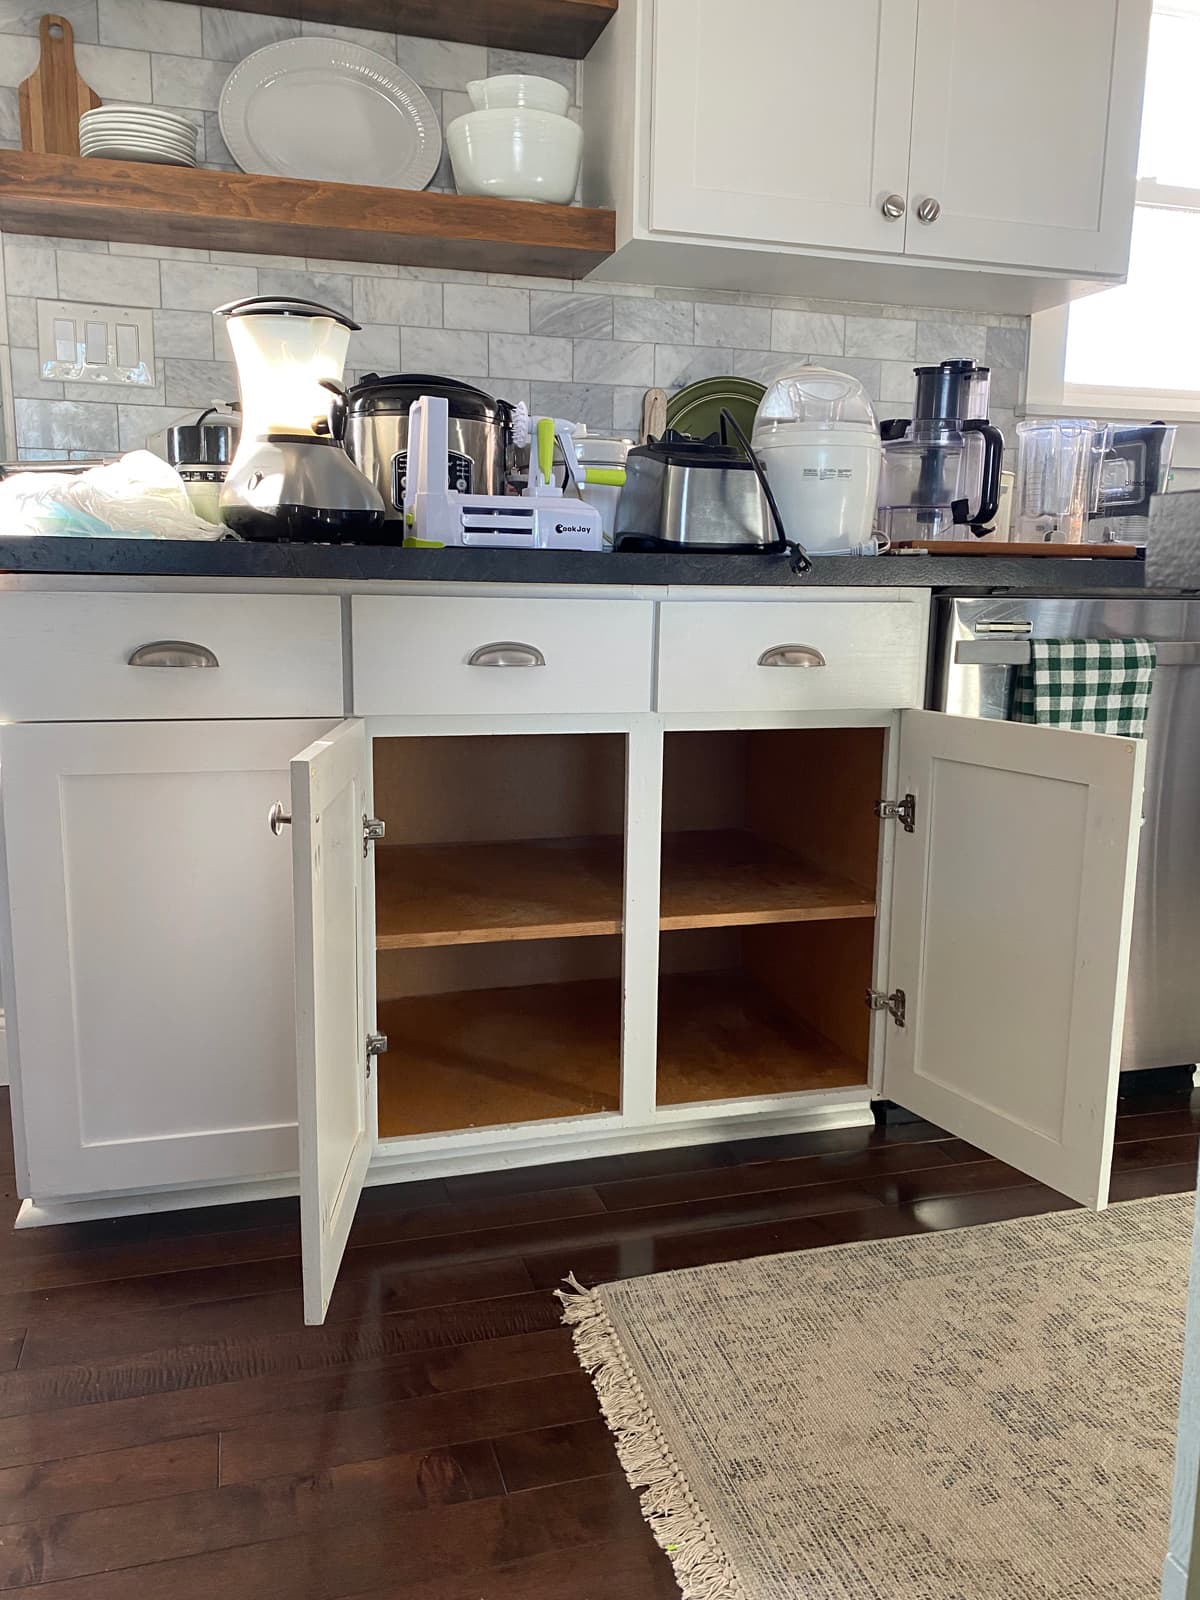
<point>138,133</point>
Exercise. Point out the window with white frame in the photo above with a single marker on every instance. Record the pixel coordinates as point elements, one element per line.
<point>1135,350</point>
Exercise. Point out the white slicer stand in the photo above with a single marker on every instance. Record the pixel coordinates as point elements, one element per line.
<point>436,516</point>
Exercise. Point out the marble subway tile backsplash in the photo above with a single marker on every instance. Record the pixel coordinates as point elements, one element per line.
<point>587,351</point>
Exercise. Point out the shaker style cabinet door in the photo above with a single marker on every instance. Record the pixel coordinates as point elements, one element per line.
<point>330,791</point>
<point>1026,120</point>
<point>1012,900</point>
<point>782,121</point>
<point>151,953</point>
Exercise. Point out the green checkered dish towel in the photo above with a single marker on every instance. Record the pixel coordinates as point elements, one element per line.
<point>1097,685</point>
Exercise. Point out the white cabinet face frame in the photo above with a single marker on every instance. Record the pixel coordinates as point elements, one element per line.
<point>1065,82</point>
<point>150,1062</point>
<point>783,121</point>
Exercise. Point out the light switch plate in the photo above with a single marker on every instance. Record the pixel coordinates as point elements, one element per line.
<point>109,345</point>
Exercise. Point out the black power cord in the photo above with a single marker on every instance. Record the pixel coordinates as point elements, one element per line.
<point>800,562</point>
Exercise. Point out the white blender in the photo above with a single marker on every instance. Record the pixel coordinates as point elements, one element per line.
<point>290,478</point>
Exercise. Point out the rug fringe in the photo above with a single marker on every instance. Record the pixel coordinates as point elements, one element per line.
<point>668,1505</point>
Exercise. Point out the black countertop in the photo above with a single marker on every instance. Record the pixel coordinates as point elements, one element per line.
<point>166,558</point>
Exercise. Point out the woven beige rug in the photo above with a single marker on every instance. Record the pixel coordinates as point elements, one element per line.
<point>986,1414</point>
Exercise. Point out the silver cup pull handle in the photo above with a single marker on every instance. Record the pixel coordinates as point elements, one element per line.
<point>792,655</point>
<point>278,818</point>
<point>173,653</point>
<point>507,653</point>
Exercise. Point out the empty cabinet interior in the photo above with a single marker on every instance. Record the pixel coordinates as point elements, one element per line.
<point>499,899</point>
<point>767,952</point>
<point>499,902</point>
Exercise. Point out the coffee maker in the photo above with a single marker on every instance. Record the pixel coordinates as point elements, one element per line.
<point>290,478</point>
<point>941,467</point>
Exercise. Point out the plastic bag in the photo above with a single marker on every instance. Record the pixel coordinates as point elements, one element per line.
<point>139,496</point>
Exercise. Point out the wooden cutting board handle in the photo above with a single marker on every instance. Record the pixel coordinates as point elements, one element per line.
<point>54,96</point>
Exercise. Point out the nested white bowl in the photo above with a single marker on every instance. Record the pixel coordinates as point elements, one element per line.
<point>510,90</point>
<point>516,154</point>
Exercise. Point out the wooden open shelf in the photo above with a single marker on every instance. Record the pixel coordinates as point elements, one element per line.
<point>551,27</point>
<point>485,1057</point>
<point>722,1037</point>
<point>571,888</point>
<point>143,203</point>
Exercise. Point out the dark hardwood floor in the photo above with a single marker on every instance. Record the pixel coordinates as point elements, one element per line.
<point>170,1431</point>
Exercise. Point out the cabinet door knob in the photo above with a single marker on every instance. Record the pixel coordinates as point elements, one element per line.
<point>278,818</point>
<point>929,210</point>
<point>506,653</point>
<point>792,655</point>
<point>893,207</point>
<point>173,653</point>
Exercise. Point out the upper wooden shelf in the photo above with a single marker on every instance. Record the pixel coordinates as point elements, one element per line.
<point>142,203</point>
<point>549,27</point>
<point>571,888</point>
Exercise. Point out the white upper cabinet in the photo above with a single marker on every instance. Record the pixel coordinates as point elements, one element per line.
<point>1025,131</point>
<point>782,119</point>
<point>1011,907</point>
<point>929,152</point>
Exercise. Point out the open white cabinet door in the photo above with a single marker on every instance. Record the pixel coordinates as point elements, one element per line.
<point>1011,908</point>
<point>330,785</point>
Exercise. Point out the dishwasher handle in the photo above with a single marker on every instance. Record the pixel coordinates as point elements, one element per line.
<point>1019,653</point>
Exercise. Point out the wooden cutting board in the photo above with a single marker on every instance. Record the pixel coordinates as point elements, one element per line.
<point>975,547</point>
<point>54,96</point>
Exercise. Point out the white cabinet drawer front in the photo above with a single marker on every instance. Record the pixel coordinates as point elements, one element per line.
<point>827,655</point>
<point>75,657</point>
<point>443,655</point>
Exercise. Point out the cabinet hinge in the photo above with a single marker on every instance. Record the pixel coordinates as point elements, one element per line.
<point>377,1044</point>
<point>904,811</point>
<point>896,1003</point>
<point>373,830</point>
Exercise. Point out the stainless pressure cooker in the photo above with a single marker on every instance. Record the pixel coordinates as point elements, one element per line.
<point>377,434</point>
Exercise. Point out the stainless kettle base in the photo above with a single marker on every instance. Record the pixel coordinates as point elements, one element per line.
<point>649,543</point>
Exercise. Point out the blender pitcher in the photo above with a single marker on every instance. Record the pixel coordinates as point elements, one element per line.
<point>1058,478</point>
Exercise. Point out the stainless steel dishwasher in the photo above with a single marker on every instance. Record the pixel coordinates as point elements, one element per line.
<point>978,643</point>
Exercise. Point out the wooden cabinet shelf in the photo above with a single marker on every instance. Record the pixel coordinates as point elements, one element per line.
<point>143,203</point>
<point>571,888</point>
<point>484,893</point>
<point>488,1057</point>
<point>722,1037</point>
<point>551,27</point>
<point>485,1057</point>
<point>731,879</point>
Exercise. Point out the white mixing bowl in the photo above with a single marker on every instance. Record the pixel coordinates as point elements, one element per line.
<point>512,89</point>
<point>518,154</point>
